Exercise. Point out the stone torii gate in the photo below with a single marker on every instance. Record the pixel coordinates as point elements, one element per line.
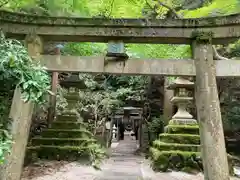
<point>199,33</point>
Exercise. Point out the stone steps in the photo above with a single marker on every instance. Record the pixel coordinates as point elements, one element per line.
<point>72,96</point>
<point>181,160</point>
<point>66,139</point>
<point>67,118</point>
<point>180,138</point>
<point>175,147</point>
<point>66,125</point>
<point>65,133</point>
<point>179,129</point>
<point>52,152</point>
<point>61,141</point>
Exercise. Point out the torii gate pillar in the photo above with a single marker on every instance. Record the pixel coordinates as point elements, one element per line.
<point>208,109</point>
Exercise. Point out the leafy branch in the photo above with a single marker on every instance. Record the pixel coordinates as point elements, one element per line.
<point>16,64</point>
<point>3,3</point>
<point>216,55</point>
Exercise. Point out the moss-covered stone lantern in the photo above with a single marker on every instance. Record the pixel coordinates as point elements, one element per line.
<point>178,148</point>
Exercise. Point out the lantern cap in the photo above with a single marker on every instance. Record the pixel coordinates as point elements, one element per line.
<point>180,82</point>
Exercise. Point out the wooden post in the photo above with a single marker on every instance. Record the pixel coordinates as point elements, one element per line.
<point>21,116</point>
<point>208,112</point>
<point>140,133</point>
<point>52,99</point>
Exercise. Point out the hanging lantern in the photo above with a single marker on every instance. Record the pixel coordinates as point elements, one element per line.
<point>116,49</point>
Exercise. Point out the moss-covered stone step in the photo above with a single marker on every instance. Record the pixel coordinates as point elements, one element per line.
<point>173,146</point>
<point>179,161</point>
<point>57,152</point>
<point>182,129</point>
<point>65,133</point>
<point>73,118</point>
<point>72,96</point>
<point>67,112</point>
<point>72,101</point>
<point>67,125</point>
<point>62,141</point>
<point>180,138</point>
<point>175,160</point>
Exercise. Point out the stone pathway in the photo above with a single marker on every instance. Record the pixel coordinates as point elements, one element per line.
<point>123,165</point>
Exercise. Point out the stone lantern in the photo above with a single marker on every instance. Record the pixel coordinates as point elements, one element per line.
<point>181,98</point>
<point>114,132</point>
<point>178,148</point>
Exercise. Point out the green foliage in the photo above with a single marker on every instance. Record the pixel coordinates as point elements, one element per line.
<point>127,87</point>
<point>17,69</point>
<point>160,51</point>
<point>216,8</point>
<point>98,104</point>
<point>156,127</point>
<point>203,36</point>
<point>84,49</point>
<point>97,154</point>
<point>175,160</point>
<point>232,115</point>
<point>17,66</point>
<point>5,143</point>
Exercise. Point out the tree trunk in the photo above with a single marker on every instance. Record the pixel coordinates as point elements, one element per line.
<point>209,114</point>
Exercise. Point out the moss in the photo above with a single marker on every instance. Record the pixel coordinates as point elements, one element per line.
<point>180,138</point>
<point>59,152</point>
<point>65,133</point>
<point>67,118</point>
<point>175,160</point>
<point>154,153</point>
<point>66,125</point>
<point>190,162</point>
<point>173,146</point>
<point>62,141</point>
<point>161,163</point>
<point>180,129</point>
<point>201,36</point>
<point>72,96</point>
<point>67,112</point>
<point>72,101</point>
<point>31,155</point>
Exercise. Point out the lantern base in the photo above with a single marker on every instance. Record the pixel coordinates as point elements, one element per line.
<point>183,122</point>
